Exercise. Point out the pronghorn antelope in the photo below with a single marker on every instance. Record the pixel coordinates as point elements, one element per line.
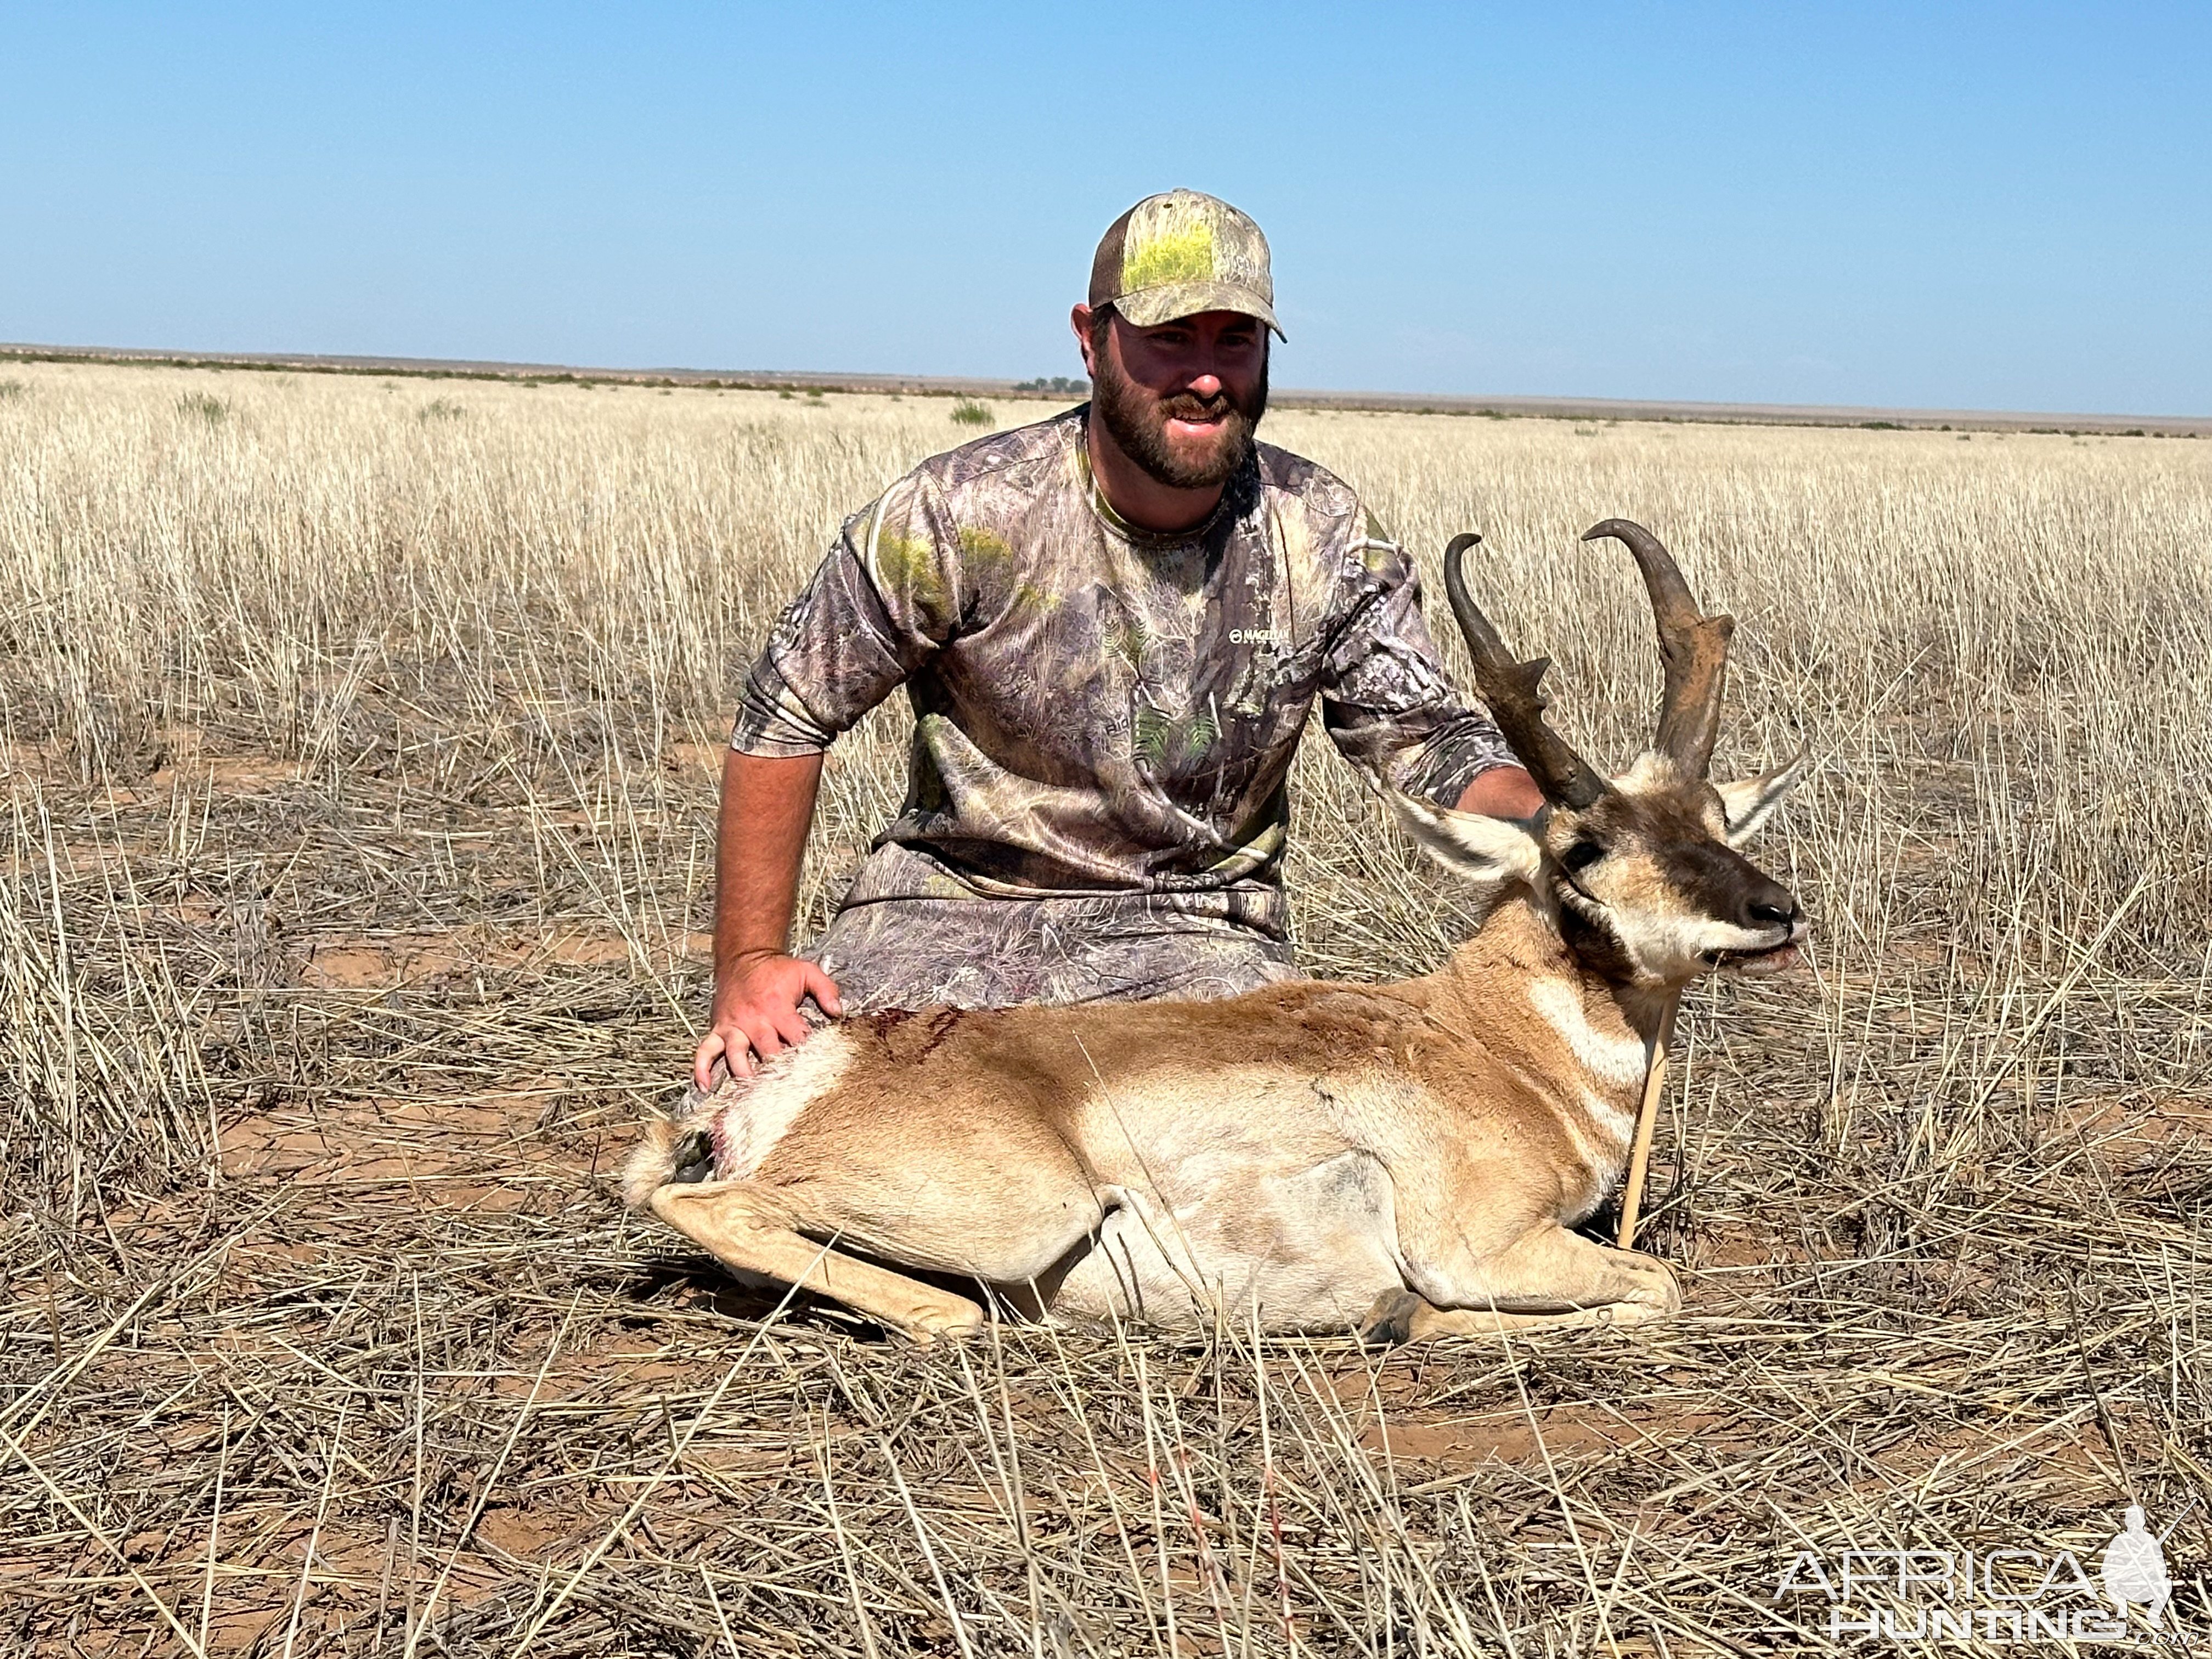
<point>1414,1154</point>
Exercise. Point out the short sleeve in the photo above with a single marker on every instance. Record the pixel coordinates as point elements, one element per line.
<point>880,606</point>
<point>1386,703</point>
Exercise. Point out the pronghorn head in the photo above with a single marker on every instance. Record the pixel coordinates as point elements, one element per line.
<point>1644,870</point>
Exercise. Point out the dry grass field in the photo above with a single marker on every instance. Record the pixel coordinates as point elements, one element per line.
<point>360,743</point>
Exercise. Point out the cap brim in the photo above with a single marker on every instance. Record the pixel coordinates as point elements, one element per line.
<point>1150,307</point>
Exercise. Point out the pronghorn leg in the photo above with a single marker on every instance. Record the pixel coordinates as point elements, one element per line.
<point>745,1228</point>
<point>1549,1278</point>
<point>1401,1316</point>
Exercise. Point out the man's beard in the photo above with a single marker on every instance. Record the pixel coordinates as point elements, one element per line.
<point>1138,422</point>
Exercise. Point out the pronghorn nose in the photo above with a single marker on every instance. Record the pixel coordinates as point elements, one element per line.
<point>1775,909</point>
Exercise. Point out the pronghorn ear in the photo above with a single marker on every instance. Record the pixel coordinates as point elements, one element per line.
<point>1748,802</point>
<point>1487,850</point>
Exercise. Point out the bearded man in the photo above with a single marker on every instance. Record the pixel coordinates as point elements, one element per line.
<point>1111,625</point>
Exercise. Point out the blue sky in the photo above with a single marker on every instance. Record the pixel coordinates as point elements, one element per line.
<point>1930,206</point>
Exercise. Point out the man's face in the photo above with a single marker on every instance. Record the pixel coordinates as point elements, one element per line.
<point>1182,399</point>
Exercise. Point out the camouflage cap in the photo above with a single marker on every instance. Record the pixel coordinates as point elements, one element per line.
<point>1180,253</point>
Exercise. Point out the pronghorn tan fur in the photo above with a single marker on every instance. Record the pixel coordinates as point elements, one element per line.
<point>1312,1155</point>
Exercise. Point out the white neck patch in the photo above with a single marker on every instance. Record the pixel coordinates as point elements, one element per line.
<point>1610,1058</point>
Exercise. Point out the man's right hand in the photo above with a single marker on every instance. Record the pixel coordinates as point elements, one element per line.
<point>756,1014</point>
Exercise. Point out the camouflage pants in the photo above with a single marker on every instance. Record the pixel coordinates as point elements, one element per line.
<point>998,953</point>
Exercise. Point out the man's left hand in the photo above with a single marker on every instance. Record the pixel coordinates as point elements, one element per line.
<point>1503,791</point>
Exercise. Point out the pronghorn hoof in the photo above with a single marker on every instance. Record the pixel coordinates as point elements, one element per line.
<point>692,1159</point>
<point>926,1330</point>
<point>1663,1294</point>
<point>1389,1321</point>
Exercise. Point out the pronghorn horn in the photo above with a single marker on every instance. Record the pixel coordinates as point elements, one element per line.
<point>1509,686</point>
<point>1692,646</point>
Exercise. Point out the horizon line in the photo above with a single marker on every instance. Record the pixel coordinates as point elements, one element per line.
<point>1554,408</point>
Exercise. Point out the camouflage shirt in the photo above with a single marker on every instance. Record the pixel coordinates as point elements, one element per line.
<point>1102,712</point>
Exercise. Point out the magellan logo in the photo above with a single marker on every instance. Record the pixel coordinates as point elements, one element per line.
<point>1257,636</point>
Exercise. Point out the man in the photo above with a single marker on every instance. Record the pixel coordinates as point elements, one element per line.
<point>1111,625</point>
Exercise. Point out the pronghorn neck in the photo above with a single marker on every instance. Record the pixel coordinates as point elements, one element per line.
<point>1521,941</point>
<point>1518,952</point>
<point>1580,1041</point>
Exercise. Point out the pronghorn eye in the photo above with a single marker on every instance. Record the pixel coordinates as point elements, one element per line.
<point>1582,855</point>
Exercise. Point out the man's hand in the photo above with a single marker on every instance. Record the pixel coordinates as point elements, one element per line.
<point>757,1014</point>
<point>1503,791</point>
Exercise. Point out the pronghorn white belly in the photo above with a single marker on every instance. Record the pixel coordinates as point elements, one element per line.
<point>1310,1249</point>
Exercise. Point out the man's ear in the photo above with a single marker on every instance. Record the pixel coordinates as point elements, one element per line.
<point>1747,803</point>
<point>1078,320</point>
<point>1489,852</point>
